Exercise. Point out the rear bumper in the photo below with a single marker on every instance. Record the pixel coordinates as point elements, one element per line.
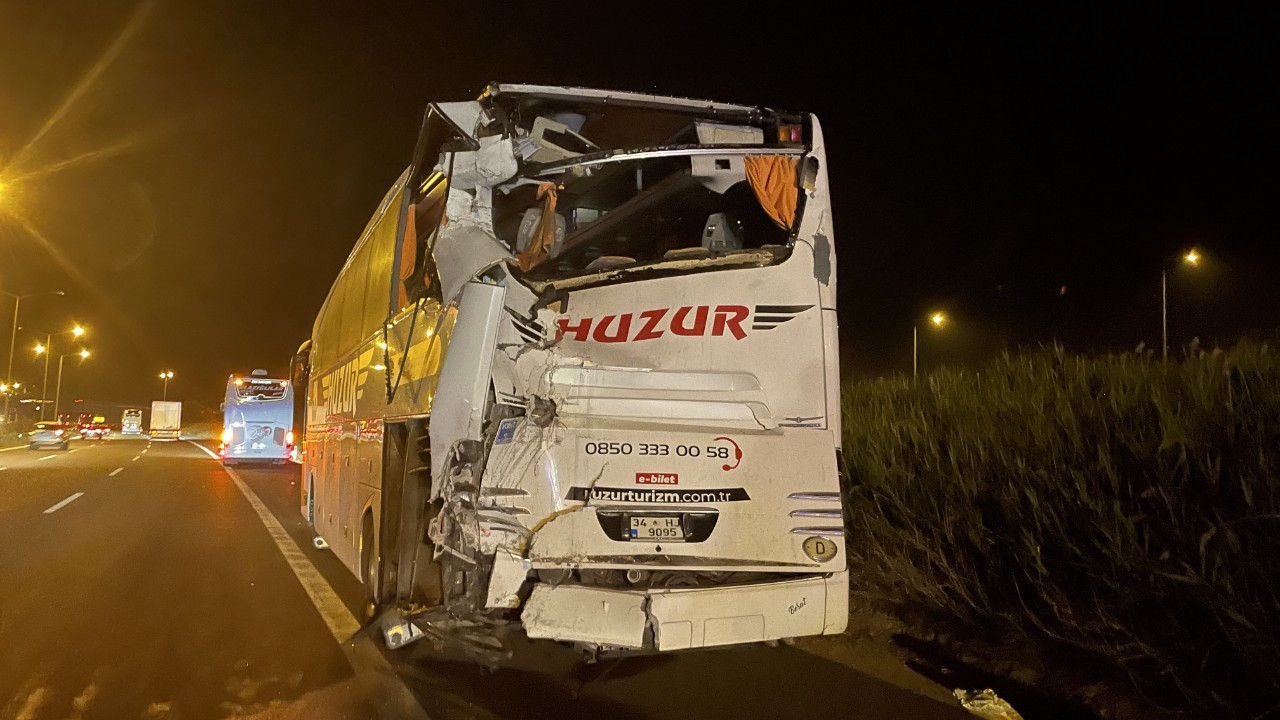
<point>684,618</point>
<point>249,455</point>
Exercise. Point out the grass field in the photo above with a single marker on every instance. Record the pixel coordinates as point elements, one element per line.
<point>1106,505</point>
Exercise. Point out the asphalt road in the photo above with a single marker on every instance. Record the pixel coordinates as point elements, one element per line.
<point>141,580</point>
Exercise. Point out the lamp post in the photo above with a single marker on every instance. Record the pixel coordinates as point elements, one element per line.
<point>46,349</point>
<point>57,395</point>
<point>937,320</point>
<point>1191,259</point>
<point>166,376</point>
<point>13,339</point>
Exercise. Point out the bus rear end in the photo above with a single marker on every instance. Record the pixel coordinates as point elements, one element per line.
<point>131,422</point>
<point>257,420</point>
<point>635,430</point>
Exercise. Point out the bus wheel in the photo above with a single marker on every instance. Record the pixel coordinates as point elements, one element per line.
<point>369,565</point>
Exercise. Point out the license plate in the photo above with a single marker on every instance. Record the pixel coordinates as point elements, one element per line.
<point>648,527</point>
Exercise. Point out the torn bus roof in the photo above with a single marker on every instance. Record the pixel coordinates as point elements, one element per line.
<point>565,92</point>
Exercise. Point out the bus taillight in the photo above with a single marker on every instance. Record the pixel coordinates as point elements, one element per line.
<point>288,439</point>
<point>226,436</point>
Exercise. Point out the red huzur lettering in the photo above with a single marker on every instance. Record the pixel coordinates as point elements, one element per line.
<point>687,321</point>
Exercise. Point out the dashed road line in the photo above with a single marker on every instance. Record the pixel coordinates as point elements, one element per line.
<point>58,506</point>
<point>15,447</point>
<point>73,450</point>
<point>115,472</point>
<point>47,457</point>
<point>135,457</point>
<point>3,468</point>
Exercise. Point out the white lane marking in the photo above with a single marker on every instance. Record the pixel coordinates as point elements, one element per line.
<point>64,503</point>
<point>73,450</point>
<point>15,447</point>
<point>145,449</point>
<point>135,457</point>
<point>341,623</point>
<point>4,468</point>
<point>47,457</point>
<point>113,473</point>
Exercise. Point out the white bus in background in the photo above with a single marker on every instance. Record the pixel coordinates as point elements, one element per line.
<point>579,378</point>
<point>257,419</point>
<point>131,422</point>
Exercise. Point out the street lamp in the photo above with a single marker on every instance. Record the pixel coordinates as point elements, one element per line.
<point>1190,258</point>
<point>166,376</point>
<point>57,395</point>
<point>937,319</point>
<point>46,349</point>
<point>13,336</point>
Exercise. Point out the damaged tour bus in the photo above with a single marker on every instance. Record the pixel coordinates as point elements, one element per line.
<point>579,378</point>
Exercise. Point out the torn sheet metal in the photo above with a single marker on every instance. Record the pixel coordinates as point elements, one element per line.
<point>509,573</point>
<point>464,377</point>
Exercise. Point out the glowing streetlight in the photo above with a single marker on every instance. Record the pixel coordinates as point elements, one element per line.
<point>46,349</point>
<point>13,337</point>
<point>57,395</point>
<point>1192,259</point>
<point>166,376</point>
<point>937,319</point>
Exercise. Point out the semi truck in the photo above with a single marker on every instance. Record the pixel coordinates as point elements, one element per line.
<point>166,420</point>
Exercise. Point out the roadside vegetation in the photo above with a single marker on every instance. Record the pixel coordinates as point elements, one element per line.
<point>1104,508</point>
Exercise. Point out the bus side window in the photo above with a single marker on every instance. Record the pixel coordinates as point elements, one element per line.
<point>418,271</point>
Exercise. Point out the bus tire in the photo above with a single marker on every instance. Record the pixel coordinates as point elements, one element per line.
<point>369,568</point>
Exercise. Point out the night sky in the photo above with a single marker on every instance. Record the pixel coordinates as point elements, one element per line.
<point>225,155</point>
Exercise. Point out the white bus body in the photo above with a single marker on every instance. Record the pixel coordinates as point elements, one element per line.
<point>131,422</point>
<point>598,400</point>
<point>257,419</point>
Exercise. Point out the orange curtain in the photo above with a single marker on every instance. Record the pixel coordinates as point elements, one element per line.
<point>773,179</point>
<point>544,236</point>
<point>408,254</point>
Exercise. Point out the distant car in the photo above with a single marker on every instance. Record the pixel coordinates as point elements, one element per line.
<point>95,431</point>
<point>48,434</point>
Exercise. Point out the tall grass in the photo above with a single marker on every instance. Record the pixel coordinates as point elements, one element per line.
<point>1107,503</point>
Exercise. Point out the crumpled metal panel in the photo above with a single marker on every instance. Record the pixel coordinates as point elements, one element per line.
<point>575,613</point>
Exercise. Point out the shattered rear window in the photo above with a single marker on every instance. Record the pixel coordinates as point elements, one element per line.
<point>632,213</point>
